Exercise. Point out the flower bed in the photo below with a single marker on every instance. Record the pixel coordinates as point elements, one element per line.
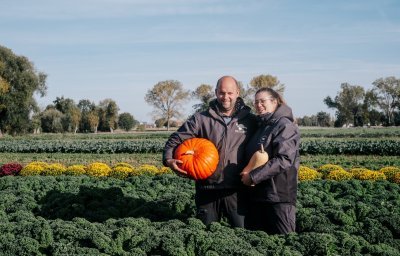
<point>124,170</point>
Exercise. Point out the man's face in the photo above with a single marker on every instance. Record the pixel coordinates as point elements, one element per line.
<point>227,94</point>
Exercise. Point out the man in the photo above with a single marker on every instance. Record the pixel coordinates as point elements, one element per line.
<point>229,124</point>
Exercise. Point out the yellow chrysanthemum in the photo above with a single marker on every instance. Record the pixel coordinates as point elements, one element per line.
<point>358,171</point>
<point>396,178</point>
<point>165,170</point>
<point>40,163</point>
<point>147,169</point>
<point>306,173</point>
<point>98,169</point>
<point>390,172</point>
<point>54,169</point>
<point>339,175</point>
<point>122,164</point>
<point>121,172</point>
<point>76,169</point>
<point>33,168</point>
<point>372,175</point>
<point>327,168</point>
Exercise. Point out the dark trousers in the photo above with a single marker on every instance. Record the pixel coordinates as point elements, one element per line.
<point>213,204</point>
<point>278,218</point>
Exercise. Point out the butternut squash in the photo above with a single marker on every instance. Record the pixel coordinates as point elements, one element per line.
<point>259,158</point>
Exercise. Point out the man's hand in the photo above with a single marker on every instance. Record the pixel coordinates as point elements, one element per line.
<point>246,179</point>
<point>173,164</point>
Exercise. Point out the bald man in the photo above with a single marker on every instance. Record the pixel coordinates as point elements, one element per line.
<point>229,124</point>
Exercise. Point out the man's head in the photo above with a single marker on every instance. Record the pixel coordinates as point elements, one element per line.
<point>227,91</point>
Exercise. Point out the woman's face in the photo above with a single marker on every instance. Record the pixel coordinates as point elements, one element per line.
<point>265,103</point>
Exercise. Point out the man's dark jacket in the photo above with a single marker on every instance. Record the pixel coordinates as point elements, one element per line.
<point>230,140</point>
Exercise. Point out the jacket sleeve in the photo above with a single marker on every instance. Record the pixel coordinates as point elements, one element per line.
<point>285,146</point>
<point>188,130</point>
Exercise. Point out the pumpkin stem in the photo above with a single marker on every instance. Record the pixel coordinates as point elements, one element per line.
<point>189,152</point>
<point>262,148</point>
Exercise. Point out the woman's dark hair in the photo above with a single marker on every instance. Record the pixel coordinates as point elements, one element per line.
<point>274,94</point>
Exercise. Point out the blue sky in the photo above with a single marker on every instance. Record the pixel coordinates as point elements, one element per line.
<point>119,49</point>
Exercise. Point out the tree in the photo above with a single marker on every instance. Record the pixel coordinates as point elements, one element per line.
<point>93,120</point>
<point>305,121</point>
<point>257,82</point>
<point>205,94</point>
<point>267,81</point>
<point>172,123</point>
<point>348,103</point>
<point>167,97</point>
<point>309,120</point>
<point>375,117</point>
<point>87,108</point>
<point>160,122</point>
<point>397,118</point>
<point>387,91</point>
<point>19,81</point>
<point>108,115</point>
<point>370,114</point>
<point>74,116</point>
<point>323,119</point>
<point>126,121</point>
<point>51,120</point>
<point>4,87</point>
<point>36,123</point>
<point>71,113</point>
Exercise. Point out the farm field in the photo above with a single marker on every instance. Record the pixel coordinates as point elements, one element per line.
<point>53,213</point>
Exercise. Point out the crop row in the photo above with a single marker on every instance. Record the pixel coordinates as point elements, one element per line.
<point>82,146</point>
<point>388,132</point>
<point>373,162</point>
<point>91,136</point>
<point>96,169</point>
<point>154,215</point>
<point>352,147</point>
<point>306,132</point>
<point>125,170</point>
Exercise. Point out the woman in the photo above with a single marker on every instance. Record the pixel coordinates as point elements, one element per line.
<point>273,186</point>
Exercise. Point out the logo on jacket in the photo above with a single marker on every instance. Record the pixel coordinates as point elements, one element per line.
<point>240,128</point>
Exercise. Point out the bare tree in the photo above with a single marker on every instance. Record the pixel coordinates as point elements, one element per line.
<point>166,97</point>
<point>387,91</point>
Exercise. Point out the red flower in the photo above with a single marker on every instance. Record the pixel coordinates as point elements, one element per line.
<point>10,169</point>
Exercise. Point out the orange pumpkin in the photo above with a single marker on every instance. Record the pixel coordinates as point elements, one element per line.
<point>199,157</point>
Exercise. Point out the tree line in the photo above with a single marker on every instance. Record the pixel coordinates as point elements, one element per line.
<point>19,111</point>
<point>168,96</point>
<point>355,106</point>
